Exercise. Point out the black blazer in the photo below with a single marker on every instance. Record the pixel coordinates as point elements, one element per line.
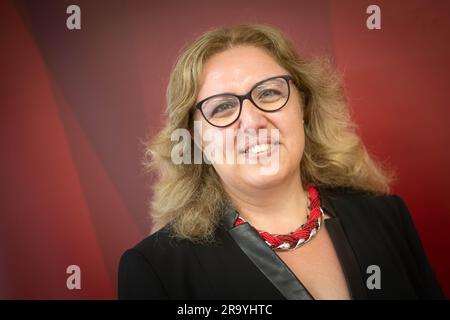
<point>365,229</point>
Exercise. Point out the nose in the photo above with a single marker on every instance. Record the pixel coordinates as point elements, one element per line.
<point>251,117</point>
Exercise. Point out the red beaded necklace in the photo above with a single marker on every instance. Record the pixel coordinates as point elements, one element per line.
<point>303,234</point>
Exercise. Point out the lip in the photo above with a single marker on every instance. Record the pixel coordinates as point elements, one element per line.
<point>254,141</point>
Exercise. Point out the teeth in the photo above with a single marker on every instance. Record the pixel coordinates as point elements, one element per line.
<point>259,148</point>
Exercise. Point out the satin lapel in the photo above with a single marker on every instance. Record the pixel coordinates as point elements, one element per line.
<point>264,258</point>
<point>344,250</point>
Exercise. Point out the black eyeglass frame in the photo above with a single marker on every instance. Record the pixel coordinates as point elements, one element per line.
<point>241,99</point>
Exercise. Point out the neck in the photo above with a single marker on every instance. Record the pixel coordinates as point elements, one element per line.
<point>278,210</point>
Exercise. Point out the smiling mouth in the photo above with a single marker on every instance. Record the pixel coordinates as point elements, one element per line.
<point>256,149</point>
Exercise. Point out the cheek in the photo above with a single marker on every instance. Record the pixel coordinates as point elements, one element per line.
<point>296,137</point>
<point>291,129</point>
<point>289,123</point>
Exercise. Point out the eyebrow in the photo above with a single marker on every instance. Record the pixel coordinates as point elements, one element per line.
<point>235,94</point>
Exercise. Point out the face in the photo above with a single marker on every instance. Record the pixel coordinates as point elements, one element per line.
<point>237,70</point>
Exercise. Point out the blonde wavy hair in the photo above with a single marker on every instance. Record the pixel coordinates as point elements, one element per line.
<point>189,198</point>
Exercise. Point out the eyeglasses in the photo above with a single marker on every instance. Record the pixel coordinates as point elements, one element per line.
<point>269,95</point>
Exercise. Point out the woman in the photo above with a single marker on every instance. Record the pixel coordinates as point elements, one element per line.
<point>317,223</point>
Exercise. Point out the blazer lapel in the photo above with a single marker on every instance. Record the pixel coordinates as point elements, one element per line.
<point>278,272</point>
<point>264,258</point>
<point>344,251</point>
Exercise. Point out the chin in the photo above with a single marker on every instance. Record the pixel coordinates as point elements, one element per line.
<point>252,175</point>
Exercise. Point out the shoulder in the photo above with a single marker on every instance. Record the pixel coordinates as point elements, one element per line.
<point>163,247</point>
<point>358,196</point>
<point>353,205</point>
<point>144,269</point>
<point>162,244</point>
<point>380,229</point>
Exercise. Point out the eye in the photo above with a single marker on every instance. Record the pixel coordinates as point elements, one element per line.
<point>222,108</point>
<point>268,93</point>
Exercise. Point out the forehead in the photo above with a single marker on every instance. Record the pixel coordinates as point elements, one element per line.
<point>236,70</point>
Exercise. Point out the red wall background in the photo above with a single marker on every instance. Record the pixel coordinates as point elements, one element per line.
<point>74,106</point>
